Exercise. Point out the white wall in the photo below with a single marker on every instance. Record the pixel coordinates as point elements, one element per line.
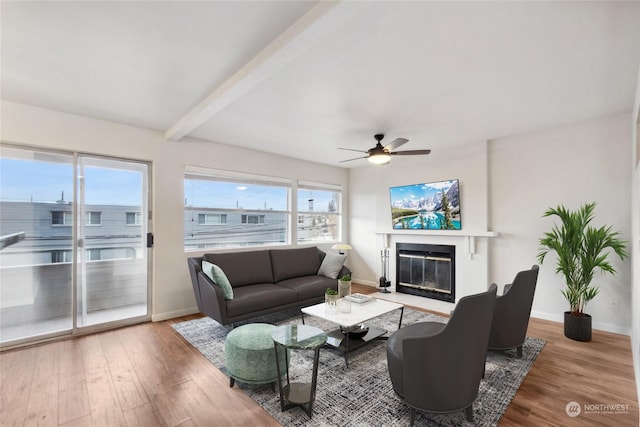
<point>506,185</point>
<point>572,165</point>
<point>635,239</point>
<point>172,292</point>
<point>371,213</point>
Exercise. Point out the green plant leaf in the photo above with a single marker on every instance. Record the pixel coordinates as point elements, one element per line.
<point>581,250</point>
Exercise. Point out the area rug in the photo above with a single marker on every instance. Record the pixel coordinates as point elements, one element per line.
<point>362,395</point>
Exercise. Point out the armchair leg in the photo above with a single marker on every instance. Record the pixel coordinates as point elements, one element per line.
<point>412,417</point>
<point>519,350</point>
<point>468,411</point>
<point>232,381</point>
<point>484,366</point>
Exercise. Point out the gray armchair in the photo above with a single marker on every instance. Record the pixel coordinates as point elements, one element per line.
<point>512,312</point>
<point>437,367</point>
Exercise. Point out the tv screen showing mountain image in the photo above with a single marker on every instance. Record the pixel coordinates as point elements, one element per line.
<point>430,206</point>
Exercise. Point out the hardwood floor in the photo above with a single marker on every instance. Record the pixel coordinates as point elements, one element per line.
<point>148,375</point>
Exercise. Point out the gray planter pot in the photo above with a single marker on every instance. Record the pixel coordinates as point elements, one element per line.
<point>577,327</point>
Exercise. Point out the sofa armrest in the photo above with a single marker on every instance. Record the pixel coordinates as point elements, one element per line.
<point>212,299</point>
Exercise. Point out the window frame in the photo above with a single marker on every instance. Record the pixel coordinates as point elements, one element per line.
<point>222,219</point>
<point>89,216</point>
<point>318,186</point>
<point>137,219</point>
<point>281,227</point>
<point>67,219</point>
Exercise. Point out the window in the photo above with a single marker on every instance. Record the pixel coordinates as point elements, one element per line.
<point>319,212</point>
<point>61,218</point>
<point>94,254</point>
<point>60,256</point>
<point>253,219</point>
<point>212,219</point>
<point>93,218</point>
<point>133,218</point>
<point>247,210</point>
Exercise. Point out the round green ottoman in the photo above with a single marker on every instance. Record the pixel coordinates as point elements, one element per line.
<point>250,357</point>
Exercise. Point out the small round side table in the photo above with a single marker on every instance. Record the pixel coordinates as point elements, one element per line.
<point>298,337</point>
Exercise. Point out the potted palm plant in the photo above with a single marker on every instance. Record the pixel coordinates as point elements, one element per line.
<point>581,251</point>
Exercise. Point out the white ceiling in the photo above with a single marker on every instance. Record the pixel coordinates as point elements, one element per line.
<point>301,79</point>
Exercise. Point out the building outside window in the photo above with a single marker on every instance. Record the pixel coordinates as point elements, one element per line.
<point>247,210</point>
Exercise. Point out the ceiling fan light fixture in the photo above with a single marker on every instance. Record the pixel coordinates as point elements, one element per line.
<point>379,159</point>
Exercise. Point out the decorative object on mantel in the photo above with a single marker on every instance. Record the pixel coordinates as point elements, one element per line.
<point>580,250</point>
<point>384,282</point>
<point>428,206</point>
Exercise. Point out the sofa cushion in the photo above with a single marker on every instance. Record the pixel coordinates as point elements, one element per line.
<point>331,265</point>
<point>288,263</point>
<point>218,277</point>
<point>309,287</point>
<point>243,268</point>
<point>251,299</point>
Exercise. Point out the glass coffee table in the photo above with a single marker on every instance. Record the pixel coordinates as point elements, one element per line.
<point>351,334</point>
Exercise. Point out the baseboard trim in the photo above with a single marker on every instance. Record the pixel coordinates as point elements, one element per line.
<point>159,317</point>
<point>601,326</point>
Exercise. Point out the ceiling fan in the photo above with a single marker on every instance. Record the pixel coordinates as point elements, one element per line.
<point>380,155</point>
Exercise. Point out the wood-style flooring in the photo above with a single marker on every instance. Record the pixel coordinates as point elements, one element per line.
<point>148,375</point>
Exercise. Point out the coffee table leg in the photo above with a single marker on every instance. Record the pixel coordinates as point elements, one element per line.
<point>401,313</point>
<point>346,350</point>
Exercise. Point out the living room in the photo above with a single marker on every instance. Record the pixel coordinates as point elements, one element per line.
<point>507,179</point>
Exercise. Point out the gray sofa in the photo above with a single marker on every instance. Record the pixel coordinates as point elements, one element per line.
<point>263,282</point>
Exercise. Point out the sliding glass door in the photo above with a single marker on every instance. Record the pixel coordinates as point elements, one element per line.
<point>112,252</point>
<point>73,252</point>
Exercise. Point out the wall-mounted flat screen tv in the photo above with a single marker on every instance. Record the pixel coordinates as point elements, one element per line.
<point>430,206</point>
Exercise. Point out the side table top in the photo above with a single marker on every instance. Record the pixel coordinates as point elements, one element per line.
<point>299,336</point>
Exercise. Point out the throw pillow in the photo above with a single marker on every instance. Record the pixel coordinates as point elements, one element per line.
<point>218,277</point>
<point>331,265</point>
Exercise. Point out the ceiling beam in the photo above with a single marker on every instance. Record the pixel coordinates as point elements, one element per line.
<point>316,24</point>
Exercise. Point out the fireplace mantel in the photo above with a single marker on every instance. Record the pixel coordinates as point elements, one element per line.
<point>451,233</point>
<point>470,237</point>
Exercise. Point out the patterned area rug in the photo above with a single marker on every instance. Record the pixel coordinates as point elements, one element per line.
<point>362,395</point>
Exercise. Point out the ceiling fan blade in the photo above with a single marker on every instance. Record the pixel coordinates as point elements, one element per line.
<point>351,149</point>
<point>395,143</point>
<point>410,152</point>
<point>348,160</point>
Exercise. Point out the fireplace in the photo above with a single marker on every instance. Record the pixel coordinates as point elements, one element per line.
<point>426,270</point>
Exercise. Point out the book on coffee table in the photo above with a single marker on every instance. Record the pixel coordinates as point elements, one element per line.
<point>359,298</point>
